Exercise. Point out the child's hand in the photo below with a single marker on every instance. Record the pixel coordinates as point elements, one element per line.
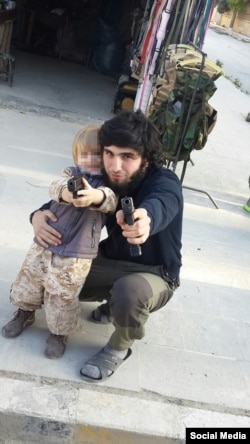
<point>88,196</point>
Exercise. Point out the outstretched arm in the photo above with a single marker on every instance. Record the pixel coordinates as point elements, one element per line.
<point>101,198</point>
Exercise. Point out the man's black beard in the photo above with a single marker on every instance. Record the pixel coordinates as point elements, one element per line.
<point>128,188</point>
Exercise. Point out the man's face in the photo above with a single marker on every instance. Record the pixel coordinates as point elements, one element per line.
<point>122,166</point>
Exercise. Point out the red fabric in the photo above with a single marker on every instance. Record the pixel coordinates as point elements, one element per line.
<point>149,32</point>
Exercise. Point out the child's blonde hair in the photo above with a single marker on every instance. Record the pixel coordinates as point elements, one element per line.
<point>86,140</point>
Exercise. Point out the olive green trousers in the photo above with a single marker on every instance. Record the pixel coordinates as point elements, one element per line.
<point>132,290</point>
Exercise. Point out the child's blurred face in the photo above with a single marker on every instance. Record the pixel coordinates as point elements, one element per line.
<point>90,161</point>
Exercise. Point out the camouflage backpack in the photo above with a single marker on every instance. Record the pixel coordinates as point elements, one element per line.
<point>179,106</point>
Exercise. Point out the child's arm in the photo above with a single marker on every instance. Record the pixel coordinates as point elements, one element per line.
<point>102,198</point>
<point>109,204</point>
<point>58,189</point>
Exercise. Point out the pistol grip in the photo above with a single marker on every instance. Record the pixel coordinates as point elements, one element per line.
<point>129,219</point>
<point>135,250</point>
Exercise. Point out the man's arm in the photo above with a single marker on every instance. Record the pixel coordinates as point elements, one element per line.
<point>44,207</point>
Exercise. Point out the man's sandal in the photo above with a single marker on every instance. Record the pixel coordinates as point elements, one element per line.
<point>106,362</point>
<point>101,314</point>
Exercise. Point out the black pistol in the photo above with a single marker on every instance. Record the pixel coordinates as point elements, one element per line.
<point>128,209</point>
<point>75,184</point>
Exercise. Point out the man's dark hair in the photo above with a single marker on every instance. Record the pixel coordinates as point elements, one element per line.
<point>132,129</point>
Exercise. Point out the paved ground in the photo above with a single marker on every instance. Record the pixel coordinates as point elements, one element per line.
<point>193,366</point>
<point>232,51</point>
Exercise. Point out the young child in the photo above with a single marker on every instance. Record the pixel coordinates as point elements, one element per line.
<point>55,275</point>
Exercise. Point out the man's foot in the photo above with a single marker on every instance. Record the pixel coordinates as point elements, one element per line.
<point>56,345</point>
<point>21,320</point>
<point>104,364</point>
<point>102,314</point>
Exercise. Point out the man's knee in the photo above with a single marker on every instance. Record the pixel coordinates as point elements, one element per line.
<point>130,290</point>
<point>129,297</point>
<point>137,295</point>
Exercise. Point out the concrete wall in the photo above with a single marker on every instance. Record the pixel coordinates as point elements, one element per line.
<point>241,23</point>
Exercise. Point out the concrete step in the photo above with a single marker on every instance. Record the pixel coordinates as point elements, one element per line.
<point>52,412</point>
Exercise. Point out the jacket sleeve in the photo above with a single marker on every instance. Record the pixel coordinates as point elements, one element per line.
<point>109,203</point>
<point>162,202</point>
<point>58,185</point>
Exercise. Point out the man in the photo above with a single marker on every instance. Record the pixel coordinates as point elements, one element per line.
<point>133,286</point>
